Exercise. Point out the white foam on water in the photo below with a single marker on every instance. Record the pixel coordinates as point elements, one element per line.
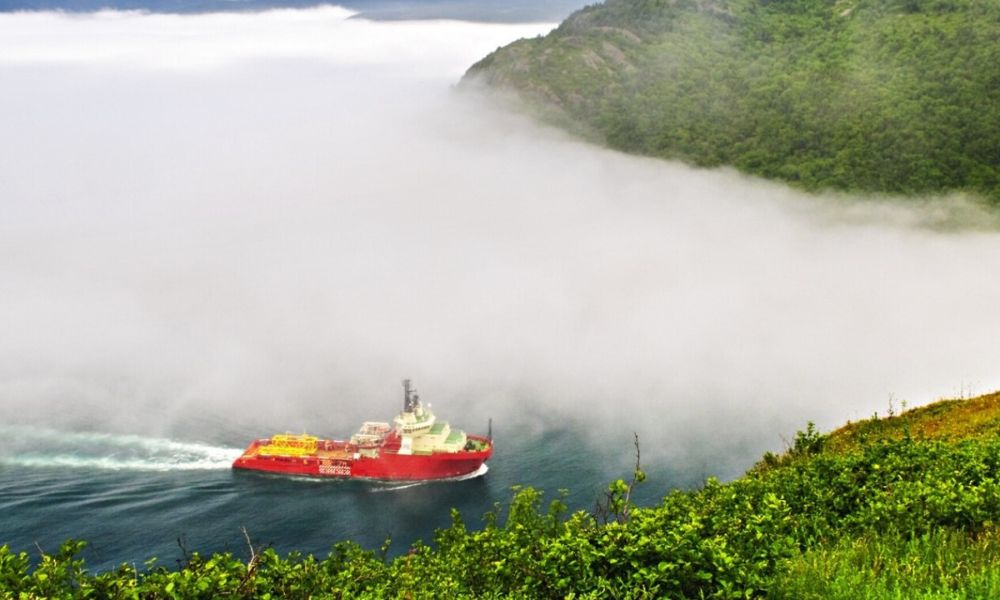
<point>42,447</point>
<point>390,487</point>
<point>477,473</point>
<point>393,487</point>
<point>113,464</point>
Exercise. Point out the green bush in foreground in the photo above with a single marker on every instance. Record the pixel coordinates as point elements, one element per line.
<point>892,518</point>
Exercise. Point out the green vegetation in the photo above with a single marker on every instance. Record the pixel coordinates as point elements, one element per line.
<point>899,507</point>
<point>945,419</point>
<point>941,564</point>
<point>894,96</point>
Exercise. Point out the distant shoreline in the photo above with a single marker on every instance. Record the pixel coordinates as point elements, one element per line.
<point>524,11</point>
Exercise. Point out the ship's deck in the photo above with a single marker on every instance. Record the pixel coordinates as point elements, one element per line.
<point>326,450</point>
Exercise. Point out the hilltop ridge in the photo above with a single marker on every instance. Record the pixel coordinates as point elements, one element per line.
<point>884,96</point>
<point>947,419</point>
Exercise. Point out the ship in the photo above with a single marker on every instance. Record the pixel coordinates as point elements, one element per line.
<point>415,447</point>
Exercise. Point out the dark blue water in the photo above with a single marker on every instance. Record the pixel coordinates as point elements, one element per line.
<point>133,497</point>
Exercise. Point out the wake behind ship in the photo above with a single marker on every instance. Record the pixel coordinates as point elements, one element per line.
<point>416,446</point>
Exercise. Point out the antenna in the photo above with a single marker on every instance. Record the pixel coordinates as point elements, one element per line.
<point>410,398</point>
<point>489,430</point>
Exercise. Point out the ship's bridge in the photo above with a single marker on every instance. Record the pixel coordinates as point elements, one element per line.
<point>413,422</point>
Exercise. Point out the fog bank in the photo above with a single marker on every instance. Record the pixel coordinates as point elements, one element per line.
<point>264,221</point>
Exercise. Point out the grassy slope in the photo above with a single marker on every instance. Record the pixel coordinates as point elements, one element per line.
<point>938,563</point>
<point>898,96</point>
<point>951,420</point>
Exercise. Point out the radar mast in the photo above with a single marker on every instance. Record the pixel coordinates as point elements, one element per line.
<point>411,400</point>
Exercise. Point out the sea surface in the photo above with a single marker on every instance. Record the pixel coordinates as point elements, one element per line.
<point>133,498</point>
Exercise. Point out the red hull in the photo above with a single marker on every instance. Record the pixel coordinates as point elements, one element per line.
<point>385,465</point>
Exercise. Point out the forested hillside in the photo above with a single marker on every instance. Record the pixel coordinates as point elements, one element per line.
<point>896,96</point>
<point>904,506</point>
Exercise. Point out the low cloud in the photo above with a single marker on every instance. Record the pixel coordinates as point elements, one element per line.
<point>255,222</point>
